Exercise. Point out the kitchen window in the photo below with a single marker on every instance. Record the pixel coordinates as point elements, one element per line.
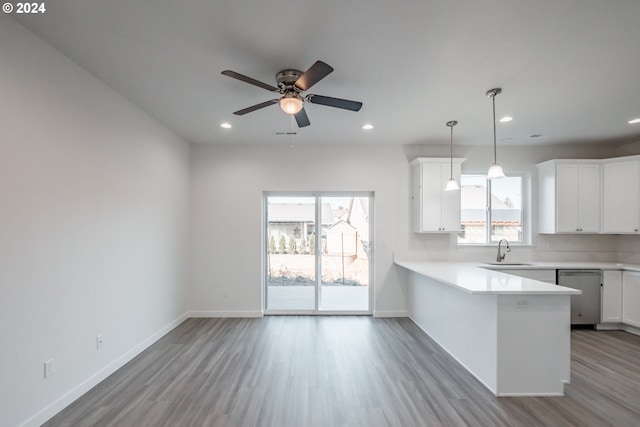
<point>500,203</point>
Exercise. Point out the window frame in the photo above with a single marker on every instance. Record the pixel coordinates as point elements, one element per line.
<point>526,210</point>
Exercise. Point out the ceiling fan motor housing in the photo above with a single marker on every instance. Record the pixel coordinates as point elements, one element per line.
<point>286,78</point>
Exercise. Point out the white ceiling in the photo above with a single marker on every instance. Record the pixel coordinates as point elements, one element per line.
<point>569,69</point>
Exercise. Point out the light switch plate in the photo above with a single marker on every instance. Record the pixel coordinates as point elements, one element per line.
<point>99,341</point>
<point>49,368</point>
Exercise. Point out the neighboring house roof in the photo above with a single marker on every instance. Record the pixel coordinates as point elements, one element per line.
<point>298,212</point>
<point>474,196</point>
<point>341,226</point>
<point>342,214</point>
<point>497,215</point>
<point>473,208</point>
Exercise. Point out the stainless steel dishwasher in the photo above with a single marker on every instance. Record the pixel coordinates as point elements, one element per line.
<point>585,308</point>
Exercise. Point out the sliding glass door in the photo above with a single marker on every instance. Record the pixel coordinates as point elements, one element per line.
<point>290,244</point>
<point>318,253</point>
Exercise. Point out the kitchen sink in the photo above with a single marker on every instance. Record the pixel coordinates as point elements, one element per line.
<point>506,263</point>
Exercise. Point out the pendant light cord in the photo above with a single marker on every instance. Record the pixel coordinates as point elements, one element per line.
<point>451,124</point>
<point>495,150</point>
<point>451,157</point>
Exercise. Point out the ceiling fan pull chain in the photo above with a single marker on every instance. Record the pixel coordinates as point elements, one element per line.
<point>291,131</point>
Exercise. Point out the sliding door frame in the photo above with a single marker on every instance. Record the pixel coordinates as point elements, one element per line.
<point>318,250</point>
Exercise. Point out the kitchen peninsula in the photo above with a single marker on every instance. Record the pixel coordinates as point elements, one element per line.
<point>512,333</point>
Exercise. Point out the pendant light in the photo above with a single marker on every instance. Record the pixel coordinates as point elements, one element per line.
<point>495,171</point>
<point>452,184</point>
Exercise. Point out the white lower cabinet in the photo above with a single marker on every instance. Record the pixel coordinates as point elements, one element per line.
<point>545,275</point>
<point>631,298</point>
<point>611,296</point>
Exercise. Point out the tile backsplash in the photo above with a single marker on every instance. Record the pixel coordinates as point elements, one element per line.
<point>546,247</point>
<point>629,249</point>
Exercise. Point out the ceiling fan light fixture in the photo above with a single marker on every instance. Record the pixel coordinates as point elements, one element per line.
<point>291,103</point>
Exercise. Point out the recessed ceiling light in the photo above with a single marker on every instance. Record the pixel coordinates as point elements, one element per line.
<point>367,126</point>
<point>506,119</point>
<point>225,125</point>
<point>634,121</point>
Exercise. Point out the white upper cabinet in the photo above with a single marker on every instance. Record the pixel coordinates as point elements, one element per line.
<point>435,210</point>
<point>569,196</point>
<point>621,194</point>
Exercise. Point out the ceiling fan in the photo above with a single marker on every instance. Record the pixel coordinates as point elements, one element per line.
<point>291,84</point>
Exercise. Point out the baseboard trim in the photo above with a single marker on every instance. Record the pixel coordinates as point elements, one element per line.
<point>390,313</point>
<point>609,327</point>
<point>530,394</point>
<point>618,327</point>
<point>631,329</point>
<point>72,395</point>
<point>195,314</point>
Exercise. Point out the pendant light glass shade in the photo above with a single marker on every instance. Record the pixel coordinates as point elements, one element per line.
<point>495,171</point>
<point>452,184</point>
<point>291,104</point>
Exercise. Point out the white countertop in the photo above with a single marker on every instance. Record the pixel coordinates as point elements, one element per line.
<point>471,278</point>
<point>480,277</point>
<point>564,265</point>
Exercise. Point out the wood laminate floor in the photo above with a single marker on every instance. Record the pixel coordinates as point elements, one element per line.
<point>344,371</point>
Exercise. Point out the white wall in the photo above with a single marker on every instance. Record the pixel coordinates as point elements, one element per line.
<point>226,214</point>
<point>93,228</point>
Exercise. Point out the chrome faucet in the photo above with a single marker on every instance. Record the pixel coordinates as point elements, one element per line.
<point>500,254</point>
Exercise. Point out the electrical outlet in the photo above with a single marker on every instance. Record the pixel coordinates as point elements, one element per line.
<point>226,294</point>
<point>49,368</point>
<point>99,341</point>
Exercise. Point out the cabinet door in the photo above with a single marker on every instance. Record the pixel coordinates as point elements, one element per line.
<point>611,296</point>
<point>432,188</point>
<point>621,193</point>
<point>631,298</point>
<point>450,212</point>
<point>589,179</point>
<point>567,198</point>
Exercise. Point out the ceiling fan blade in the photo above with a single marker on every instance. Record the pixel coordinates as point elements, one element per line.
<point>302,119</point>
<point>249,80</point>
<point>313,75</point>
<point>256,107</point>
<point>345,104</point>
